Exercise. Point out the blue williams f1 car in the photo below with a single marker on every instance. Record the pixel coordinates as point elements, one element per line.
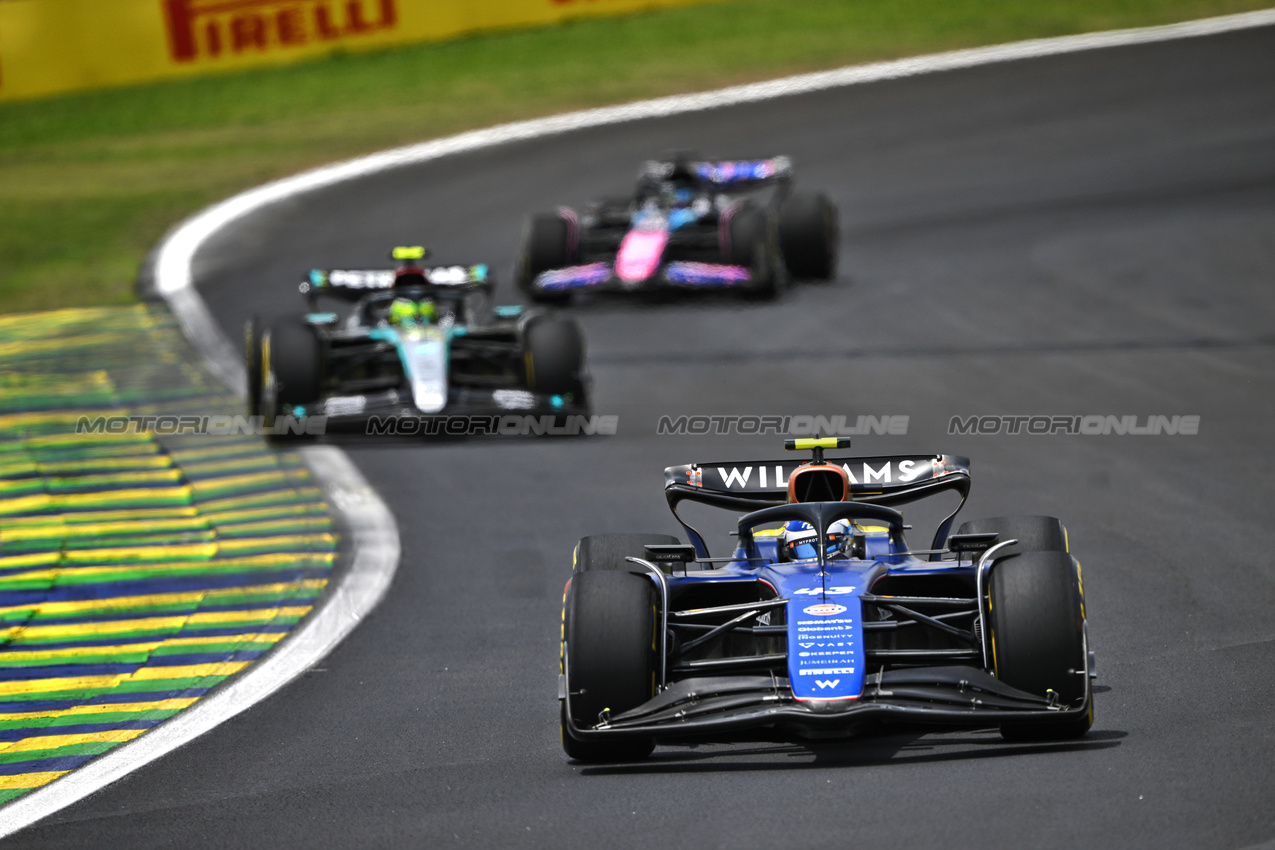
<point>822,620</point>
<point>690,225</point>
<point>416,341</point>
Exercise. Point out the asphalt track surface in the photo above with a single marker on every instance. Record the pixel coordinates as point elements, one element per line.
<point>1085,234</point>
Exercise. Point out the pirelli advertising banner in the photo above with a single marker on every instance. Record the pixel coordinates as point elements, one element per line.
<point>53,46</point>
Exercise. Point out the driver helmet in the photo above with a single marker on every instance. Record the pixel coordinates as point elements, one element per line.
<point>405,311</point>
<point>800,541</point>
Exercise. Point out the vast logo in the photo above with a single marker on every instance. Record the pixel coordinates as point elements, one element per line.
<point>211,28</point>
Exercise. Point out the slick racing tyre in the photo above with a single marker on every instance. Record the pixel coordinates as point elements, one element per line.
<point>252,364</point>
<point>808,236</point>
<point>554,358</point>
<point>546,245</point>
<point>292,362</point>
<point>1037,638</point>
<point>1033,533</point>
<point>749,245</point>
<point>608,630</point>
<point>608,551</point>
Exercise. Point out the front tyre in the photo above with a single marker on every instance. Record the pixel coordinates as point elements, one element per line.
<point>1033,533</point>
<point>553,358</point>
<point>545,246</point>
<point>609,632</point>
<point>748,244</point>
<point>292,365</point>
<point>1037,638</point>
<point>809,236</point>
<point>608,551</point>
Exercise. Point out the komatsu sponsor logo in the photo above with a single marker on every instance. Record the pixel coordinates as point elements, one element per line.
<point>797,426</point>
<point>827,671</point>
<point>1090,425</point>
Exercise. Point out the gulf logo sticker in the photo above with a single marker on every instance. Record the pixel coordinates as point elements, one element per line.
<point>824,609</point>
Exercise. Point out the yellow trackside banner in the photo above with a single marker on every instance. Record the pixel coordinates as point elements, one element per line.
<point>53,46</point>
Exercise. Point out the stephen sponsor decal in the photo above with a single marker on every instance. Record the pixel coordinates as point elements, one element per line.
<point>824,609</point>
<point>827,671</point>
<point>206,29</point>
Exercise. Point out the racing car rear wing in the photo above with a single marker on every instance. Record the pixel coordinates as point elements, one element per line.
<point>723,173</point>
<point>735,172</point>
<point>353,284</point>
<point>750,485</point>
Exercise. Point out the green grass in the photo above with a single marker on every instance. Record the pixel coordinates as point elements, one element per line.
<point>88,183</point>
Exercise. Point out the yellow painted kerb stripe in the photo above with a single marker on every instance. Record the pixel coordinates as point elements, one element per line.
<point>259,615</point>
<point>145,674</point>
<point>109,708</point>
<point>121,649</point>
<point>30,780</point>
<point>164,598</point>
<point>53,742</point>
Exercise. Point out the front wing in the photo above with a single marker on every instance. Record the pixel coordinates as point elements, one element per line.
<point>954,695</point>
<point>681,274</point>
<point>469,411</point>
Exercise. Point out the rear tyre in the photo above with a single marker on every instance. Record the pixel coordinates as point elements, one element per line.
<point>292,360</point>
<point>1037,638</point>
<point>809,236</point>
<point>554,359</point>
<point>749,246</point>
<point>1033,533</point>
<point>609,627</point>
<point>608,551</point>
<point>546,245</point>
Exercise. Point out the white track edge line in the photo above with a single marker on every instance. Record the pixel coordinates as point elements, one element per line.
<point>376,544</point>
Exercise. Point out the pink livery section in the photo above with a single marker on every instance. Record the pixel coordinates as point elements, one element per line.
<point>640,254</point>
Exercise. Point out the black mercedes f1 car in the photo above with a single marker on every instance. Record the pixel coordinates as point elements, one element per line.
<point>414,342</point>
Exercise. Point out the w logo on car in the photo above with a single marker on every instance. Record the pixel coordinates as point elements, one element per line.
<point>827,683</point>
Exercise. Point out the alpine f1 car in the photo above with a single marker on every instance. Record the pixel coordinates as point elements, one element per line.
<point>416,341</point>
<point>822,620</point>
<point>691,224</point>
